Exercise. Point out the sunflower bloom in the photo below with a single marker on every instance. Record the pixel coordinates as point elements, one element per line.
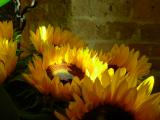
<point>6,30</point>
<point>50,36</point>
<point>8,58</point>
<point>61,69</point>
<point>79,60</point>
<point>121,56</point>
<point>41,78</point>
<point>118,100</point>
<point>76,62</point>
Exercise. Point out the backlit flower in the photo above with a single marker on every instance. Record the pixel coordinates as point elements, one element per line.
<point>8,58</point>
<point>76,59</point>
<point>62,68</point>
<point>118,100</point>
<point>50,36</point>
<point>121,56</point>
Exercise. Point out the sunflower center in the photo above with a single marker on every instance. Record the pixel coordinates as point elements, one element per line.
<point>75,71</point>
<point>115,67</point>
<point>1,61</point>
<point>65,72</point>
<point>108,112</point>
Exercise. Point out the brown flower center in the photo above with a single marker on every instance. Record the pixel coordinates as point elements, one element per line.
<point>65,72</point>
<point>115,67</point>
<point>108,112</point>
<point>2,62</point>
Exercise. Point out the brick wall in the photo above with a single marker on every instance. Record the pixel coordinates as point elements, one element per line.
<point>105,22</point>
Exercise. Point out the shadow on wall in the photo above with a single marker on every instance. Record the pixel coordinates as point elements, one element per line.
<point>55,12</point>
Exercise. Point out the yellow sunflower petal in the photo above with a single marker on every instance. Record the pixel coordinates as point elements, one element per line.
<point>150,105</point>
<point>144,90</point>
<point>128,101</point>
<point>129,98</point>
<point>149,82</point>
<point>122,57</point>
<point>6,30</point>
<point>106,78</point>
<point>122,89</point>
<point>38,76</point>
<point>142,63</point>
<point>43,33</point>
<point>45,37</point>
<point>111,71</point>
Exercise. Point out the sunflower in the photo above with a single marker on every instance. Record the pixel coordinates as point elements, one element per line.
<point>122,56</point>
<point>41,77</point>
<point>8,58</point>
<point>44,37</point>
<point>6,30</point>
<point>118,100</point>
<point>61,70</point>
<point>77,59</point>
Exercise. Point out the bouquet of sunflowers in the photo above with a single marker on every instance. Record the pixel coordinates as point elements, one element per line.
<point>56,76</point>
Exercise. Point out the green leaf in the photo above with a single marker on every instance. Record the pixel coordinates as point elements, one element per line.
<point>3,2</point>
<point>8,110</point>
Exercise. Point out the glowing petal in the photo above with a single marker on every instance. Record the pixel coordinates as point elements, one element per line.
<point>111,72</point>
<point>149,82</point>
<point>43,33</point>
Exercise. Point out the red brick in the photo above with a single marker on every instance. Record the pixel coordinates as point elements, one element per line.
<point>105,46</point>
<point>150,32</point>
<point>119,8</point>
<point>146,10</point>
<point>48,13</point>
<point>84,28</point>
<point>144,49</point>
<point>156,50</point>
<point>117,30</point>
<point>155,63</point>
<point>101,8</point>
<point>149,49</point>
